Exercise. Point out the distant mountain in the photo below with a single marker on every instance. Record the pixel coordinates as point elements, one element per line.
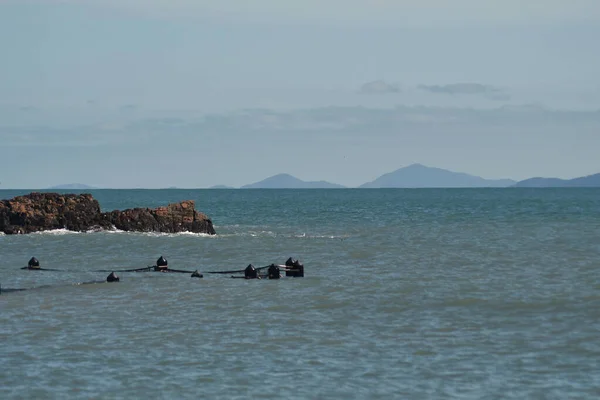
<point>541,182</point>
<point>73,186</point>
<point>421,176</point>
<point>286,181</point>
<point>221,187</point>
<point>584,181</point>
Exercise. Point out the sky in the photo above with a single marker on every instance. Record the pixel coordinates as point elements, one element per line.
<point>191,93</point>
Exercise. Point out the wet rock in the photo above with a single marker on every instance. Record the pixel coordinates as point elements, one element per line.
<point>177,217</point>
<point>112,277</point>
<point>47,211</point>
<point>196,274</point>
<point>81,212</point>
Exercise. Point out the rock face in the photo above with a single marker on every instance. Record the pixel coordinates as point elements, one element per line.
<point>81,212</point>
<point>45,211</point>
<point>177,217</point>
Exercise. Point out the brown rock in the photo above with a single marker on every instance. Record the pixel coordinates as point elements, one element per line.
<point>46,211</point>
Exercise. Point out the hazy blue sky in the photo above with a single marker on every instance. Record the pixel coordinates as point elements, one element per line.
<point>153,93</point>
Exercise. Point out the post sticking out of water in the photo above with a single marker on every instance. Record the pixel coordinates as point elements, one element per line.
<point>112,277</point>
<point>196,274</point>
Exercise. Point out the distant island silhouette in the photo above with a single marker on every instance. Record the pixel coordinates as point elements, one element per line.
<point>421,176</point>
<point>583,181</point>
<point>412,176</point>
<point>287,181</point>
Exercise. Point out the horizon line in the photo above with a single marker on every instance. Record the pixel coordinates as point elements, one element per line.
<point>224,186</point>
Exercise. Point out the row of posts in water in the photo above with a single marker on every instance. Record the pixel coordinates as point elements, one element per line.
<point>292,268</point>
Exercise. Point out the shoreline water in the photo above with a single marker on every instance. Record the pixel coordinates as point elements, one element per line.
<point>408,294</point>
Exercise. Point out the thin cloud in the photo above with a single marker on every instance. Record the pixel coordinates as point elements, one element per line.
<point>378,87</point>
<point>328,123</point>
<point>490,92</point>
<point>81,136</point>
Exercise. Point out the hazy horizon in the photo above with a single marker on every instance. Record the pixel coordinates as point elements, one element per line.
<point>189,93</point>
<point>92,187</point>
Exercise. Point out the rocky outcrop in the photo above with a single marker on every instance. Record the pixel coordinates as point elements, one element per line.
<point>177,217</point>
<point>81,212</point>
<point>46,211</point>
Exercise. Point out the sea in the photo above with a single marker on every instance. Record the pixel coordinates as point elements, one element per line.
<point>407,294</point>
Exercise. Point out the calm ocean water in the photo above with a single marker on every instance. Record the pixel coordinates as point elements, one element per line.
<point>411,294</point>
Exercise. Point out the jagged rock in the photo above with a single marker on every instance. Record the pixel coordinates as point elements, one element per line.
<point>46,211</point>
<point>81,212</point>
<point>177,217</point>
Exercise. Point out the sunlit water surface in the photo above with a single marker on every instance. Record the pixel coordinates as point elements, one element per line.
<point>415,294</point>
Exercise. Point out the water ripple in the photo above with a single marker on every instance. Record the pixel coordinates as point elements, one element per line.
<point>407,294</point>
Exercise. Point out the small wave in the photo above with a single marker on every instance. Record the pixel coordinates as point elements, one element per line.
<point>262,233</point>
<point>150,234</point>
<point>178,234</point>
<point>247,233</point>
<point>304,235</point>
<point>112,230</point>
<point>57,232</point>
<point>281,235</point>
<point>98,229</point>
<point>64,231</point>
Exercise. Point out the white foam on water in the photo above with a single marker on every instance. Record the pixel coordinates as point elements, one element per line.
<point>325,236</point>
<point>284,235</point>
<point>262,233</point>
<point>64,231</point>
<point>305,236</point>
<point>178,234</point>
<point>56,232</point>
<point>113,229</point>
